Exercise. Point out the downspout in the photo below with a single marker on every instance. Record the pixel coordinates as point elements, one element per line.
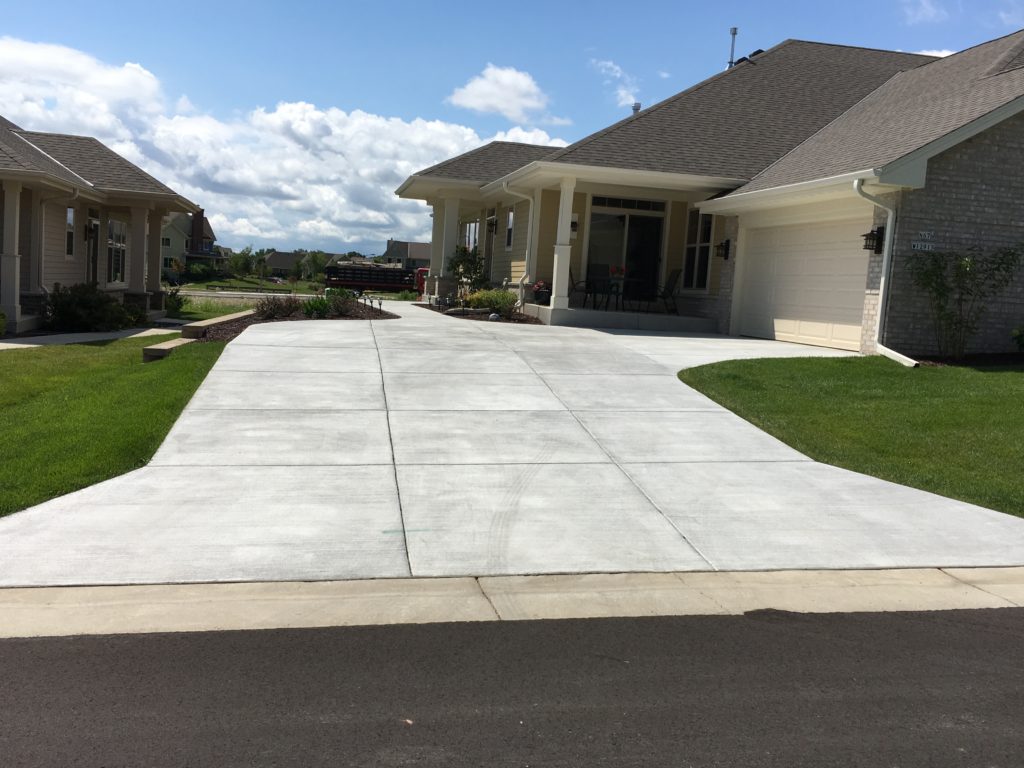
<point>529,239</point>
<point>883,280</point>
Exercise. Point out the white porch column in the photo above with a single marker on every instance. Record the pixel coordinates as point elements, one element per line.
<point>563,246</point>
<point>436,238</point>
<point>137,251</point>
<point>10,259</point>
<point>450,234</point>
<point>154,261</point>
<point>36,214</point>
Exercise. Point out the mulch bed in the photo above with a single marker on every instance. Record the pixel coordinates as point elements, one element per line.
<point>977,361</point>
<point>517,318</point>
<point>229,330</point>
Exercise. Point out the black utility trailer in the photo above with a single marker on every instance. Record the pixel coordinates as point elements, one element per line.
<point>370,278</point>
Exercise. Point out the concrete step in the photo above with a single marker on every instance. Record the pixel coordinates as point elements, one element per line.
<point>162,350</point>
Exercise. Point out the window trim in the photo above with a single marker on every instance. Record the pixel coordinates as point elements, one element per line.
<point>117,246</point>
<point>693,242</point>
<point>510,225</point>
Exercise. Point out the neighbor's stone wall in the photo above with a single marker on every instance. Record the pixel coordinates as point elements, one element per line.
<point>974,196</point>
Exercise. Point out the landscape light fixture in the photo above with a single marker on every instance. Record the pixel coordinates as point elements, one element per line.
<point>874,239</point>
<point>722,249</point>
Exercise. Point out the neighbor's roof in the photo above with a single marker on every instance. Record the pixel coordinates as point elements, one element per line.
<point>489,162</point>
<point>92,160</point>
<point>284,259</point>
<point>907,113</point>
<point>736,123</point>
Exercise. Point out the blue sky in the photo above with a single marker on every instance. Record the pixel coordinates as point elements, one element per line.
<point>293,122</point>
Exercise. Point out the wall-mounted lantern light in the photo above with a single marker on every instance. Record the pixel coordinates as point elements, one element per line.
<point>722,249</point>
<point>873,240</point>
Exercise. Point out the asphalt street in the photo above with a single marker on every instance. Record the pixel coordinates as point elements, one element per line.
<point>767,688</point>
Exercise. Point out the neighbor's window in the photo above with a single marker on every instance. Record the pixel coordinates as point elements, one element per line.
<point>698,250</point>
<point>117,247</point>
<point>510,220</point>
<point>165,242</point>
<point>69,248</point>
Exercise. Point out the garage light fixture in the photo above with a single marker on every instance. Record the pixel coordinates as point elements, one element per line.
<point>722,249</point>
<point>873,240</point>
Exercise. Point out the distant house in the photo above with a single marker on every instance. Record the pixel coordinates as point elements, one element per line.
<point>784,198</point>
<point>74,211</point>
<point>188,238</point>
<point>407,255</point>
<point>281,263</point>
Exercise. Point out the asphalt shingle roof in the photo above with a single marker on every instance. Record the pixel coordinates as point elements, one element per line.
<point>741,120</point>
<point>20,156</point>
<point>908,112</point>
<point>489,162</point>
<point>94,161</point>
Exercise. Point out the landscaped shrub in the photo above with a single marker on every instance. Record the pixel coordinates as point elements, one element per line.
<point>200,272</point>
<point>958,285</point>
<point>82,308</point>
<point>174,302</point>
<point>316,306</point>
<point>497,300</point>
<point>1017,333</point>
<point>3,323</point>
<point>467,266</point>
<point>137,315</point>
<point>274,307</point>
<point>341,302</point>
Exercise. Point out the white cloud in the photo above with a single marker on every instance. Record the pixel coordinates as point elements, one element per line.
<point>940,52</point>
<point>624,86</point>
<point>294,175</point>
<point>663,74</point>
<point>924,12</point>
<point>501,90</point>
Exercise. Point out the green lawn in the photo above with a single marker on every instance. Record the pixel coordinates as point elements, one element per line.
<point>204,309</point>
<point>74,415</point>
<point>955,431</point>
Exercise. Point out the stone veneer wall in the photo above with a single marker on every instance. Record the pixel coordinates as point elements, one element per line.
<point>974,196</point>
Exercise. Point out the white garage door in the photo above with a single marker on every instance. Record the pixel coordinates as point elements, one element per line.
<point>805,283</point>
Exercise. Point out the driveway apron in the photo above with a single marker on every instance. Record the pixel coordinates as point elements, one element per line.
<point>433,446</point>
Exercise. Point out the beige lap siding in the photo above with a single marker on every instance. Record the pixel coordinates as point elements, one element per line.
<point>57,266</point>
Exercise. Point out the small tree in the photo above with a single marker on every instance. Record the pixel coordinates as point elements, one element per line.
<point>467,266</point>
<point>958,284</point>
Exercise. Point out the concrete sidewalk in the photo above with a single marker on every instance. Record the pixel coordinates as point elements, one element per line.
<point>56,611</point>
<point>436,447</point>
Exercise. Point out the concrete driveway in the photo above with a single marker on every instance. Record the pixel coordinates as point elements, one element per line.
<point>431,446</point>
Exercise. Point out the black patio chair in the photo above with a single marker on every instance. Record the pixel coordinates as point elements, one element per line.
<point>577,286</point>
<point>598,283</point>
<point>667,292</point>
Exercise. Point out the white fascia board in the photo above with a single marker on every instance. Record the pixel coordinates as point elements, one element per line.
<point>911,169</point>
<point>818,189</point>
<point>541,174</point>
<point>427,188</point>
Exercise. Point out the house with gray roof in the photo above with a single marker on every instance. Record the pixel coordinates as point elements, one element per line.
<point>74,211</point>
<point>749,195</point>
<point>188,238</point>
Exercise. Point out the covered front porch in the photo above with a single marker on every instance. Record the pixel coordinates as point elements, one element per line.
<point>53,236</point>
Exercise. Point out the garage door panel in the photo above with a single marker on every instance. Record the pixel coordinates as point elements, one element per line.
<point>805,283</point>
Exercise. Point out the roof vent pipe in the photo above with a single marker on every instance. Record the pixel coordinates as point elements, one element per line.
<point>732,47</point>
<point>636,107</point>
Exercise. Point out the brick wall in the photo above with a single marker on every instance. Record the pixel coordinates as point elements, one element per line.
<point>974,196</point>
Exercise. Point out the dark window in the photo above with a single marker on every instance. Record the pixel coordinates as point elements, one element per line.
<point>699,231</point>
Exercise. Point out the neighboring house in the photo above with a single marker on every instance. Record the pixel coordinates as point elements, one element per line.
<point>753,183</point>
<point>189,238</point>
<point>74,211</point>
<point>281,263</point>
<point>406,255</point>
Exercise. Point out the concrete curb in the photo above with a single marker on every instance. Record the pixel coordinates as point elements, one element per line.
<point>61,611</point>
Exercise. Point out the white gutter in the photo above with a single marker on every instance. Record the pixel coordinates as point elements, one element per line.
<point>529,239</point>
<point>883,281</point>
